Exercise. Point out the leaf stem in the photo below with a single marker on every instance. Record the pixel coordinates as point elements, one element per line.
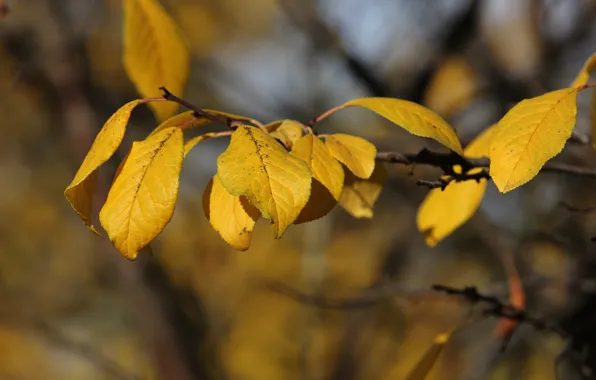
<point>587,85</point>
<point>324,115</point>
<point>188,122</point>
<point>147,100</point>
<point>167,95</point>
<point>260,125</point>
<point>228,121</point>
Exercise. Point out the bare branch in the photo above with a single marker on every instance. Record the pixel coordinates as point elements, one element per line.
<point>446,162</point>
<point>446,180</point>
<point>498,308</point>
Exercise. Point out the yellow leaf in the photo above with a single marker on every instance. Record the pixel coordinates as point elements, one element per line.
<point>356,153</point>
<point>422,369</point>
<point>584,75</point>
<point>452,87</point>
<point>328,177</point>
<point>233,219</point>
<point>120,166</point>
<point>359,195</point>
<point>443,211</point>
<point>531,133</point>
<point>199,24</point>
<point>80,191</point>
<point>324,167</point>
<point>184,119</point>
<point>414,118</point>
<point>231,116</point>
<point>195,140</point>
<point>155,53</point>
<point>259,167</point>
<point>273,125</point>
<point>288,132</point>
<point>142,199</point>
<point>320,203</point>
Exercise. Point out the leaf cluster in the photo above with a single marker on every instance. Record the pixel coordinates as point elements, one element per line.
<point>284,171</point>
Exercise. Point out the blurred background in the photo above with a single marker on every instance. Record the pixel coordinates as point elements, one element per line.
<point>351,297</point>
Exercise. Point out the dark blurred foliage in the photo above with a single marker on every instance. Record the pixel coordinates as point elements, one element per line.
<point>73,308</point>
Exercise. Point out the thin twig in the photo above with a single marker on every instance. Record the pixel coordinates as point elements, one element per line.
<point>442,182</point>
<point>230,122</point>
<point>498,308</point>
<point>167,95</point>
<point>446,161</point>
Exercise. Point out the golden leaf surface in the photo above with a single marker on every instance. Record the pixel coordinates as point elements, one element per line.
<point>233,219</point>
<point>531,133</point>
<point>414,118</point>
<point>582,79</point>
<point>155,53</point>
<point>584,74</point>
<point>185,120</point>
<point>359,195</point>
<point>324,167</point>
<point>453,86</point>
<point>443,211</point>
<point>274,181</point>
<point>141,201</point>
<point>288,132</point>
<point>356,153</point>
<point>328,177</point>
<point>80,191</point>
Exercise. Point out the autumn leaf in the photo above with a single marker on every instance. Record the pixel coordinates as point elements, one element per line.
<point>443,211</point>
<point>232,218</point>
<point>270,127</point>
<point>288,132</point>
<point>230,116</point>
<point>155,53</point>
<point>185,120</point>
<point>582,79</point>
<point>259,167</point>
<point>584,74</point>
<point>328,177</point>
<point>414,118</point>
<point>453,86</point>
<point>359,195</point>
<point>80,191</point>
<point>531,133</point>
<point>425,365</point>
<point>356,153</point>
<point>142,199</point>
<point>324,167</point>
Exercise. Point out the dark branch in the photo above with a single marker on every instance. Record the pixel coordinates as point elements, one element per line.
<point>447,161</point>
<point>446,180</point>
<point>167,95</point>
<point>498,308</point>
